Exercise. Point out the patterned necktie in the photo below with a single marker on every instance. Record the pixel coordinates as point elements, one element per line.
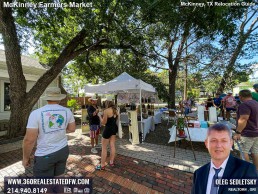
<point>214,188</point>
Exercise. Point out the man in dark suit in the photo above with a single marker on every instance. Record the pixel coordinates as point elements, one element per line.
<point>219,143</point>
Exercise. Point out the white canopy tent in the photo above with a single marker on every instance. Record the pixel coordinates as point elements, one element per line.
<point>120,84</point>
<point>123,83</point>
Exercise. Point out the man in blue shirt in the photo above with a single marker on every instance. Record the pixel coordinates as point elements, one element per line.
<point>217,102</point>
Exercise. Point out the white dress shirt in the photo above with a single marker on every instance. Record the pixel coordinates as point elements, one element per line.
<point>212,173</point>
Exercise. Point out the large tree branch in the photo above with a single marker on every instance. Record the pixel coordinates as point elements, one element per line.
<point>12,51</point>
<point>250,17</point>
<point>237,50</point>
<point>191,43</point>
<point>88,48</point>
<point>243,24</point>
<point>132,31</point>
<point>255,28</point>
<point>65,56</point>
<point>165,57</point>
<point>112,15</point>
<point>87,60</point>
<point>252,28</point>
<point>119,46</point>
<point>154,66</point>
<point>247,20</point>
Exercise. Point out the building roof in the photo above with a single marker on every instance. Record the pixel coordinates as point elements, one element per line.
<point>29,65</point>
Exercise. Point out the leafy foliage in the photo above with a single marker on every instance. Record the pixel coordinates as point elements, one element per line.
<point>136,36</point>
<point>72,103</point>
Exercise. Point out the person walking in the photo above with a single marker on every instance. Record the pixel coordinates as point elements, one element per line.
<point>247,126</point>
<point>94,123</point>
<point>222,165</point>
<point>109,119</point>
<point>48,126</point>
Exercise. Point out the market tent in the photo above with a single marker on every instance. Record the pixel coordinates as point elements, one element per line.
<point>120,84</point>
<point>123,83</point>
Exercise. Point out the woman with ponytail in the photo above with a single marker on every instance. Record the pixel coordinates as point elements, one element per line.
<point>109,119</point>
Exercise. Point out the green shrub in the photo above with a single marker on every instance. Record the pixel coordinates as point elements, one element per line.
<point>73,104</point>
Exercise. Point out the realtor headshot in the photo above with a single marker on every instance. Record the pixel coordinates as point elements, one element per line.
<point>219,143</point>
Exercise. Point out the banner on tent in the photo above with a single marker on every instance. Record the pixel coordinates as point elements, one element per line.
<point>124,98</point>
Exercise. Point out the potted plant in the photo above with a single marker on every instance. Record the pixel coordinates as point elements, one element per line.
<point>181,132</point>
<point>180,128</point>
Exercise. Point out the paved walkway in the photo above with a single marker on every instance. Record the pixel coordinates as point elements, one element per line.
<point>144,168</point>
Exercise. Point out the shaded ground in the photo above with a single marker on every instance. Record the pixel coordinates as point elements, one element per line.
<point>5,139</point>
<point>130,175</point>
<point>161,136</point>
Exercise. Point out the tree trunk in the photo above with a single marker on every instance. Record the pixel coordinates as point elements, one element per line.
<point>13,61</point>
<point>185,81</point>
<point>231,64</point>
<point>173,68</point>
<point>22,102</point>
<point>172,87</point>
<point>186,74</point>
<point>20,111</point>
<point>243,36</point>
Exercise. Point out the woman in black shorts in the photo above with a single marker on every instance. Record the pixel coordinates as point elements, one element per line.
<point>109,133</point>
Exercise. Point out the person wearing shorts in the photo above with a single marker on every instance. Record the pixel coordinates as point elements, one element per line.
<point>94,123</point>
<point>48,126</point>
<point>247,126</point>
<point>229,103</point>
<point>51,164</point>
<point>109,133</point>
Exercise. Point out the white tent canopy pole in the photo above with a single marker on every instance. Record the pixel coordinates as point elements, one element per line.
<point>141,114</point>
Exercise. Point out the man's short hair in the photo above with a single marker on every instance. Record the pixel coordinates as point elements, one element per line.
<point>245,93</point>
<point>219,127</point>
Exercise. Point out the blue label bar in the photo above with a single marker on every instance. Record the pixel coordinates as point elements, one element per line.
<point>82,185</point>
